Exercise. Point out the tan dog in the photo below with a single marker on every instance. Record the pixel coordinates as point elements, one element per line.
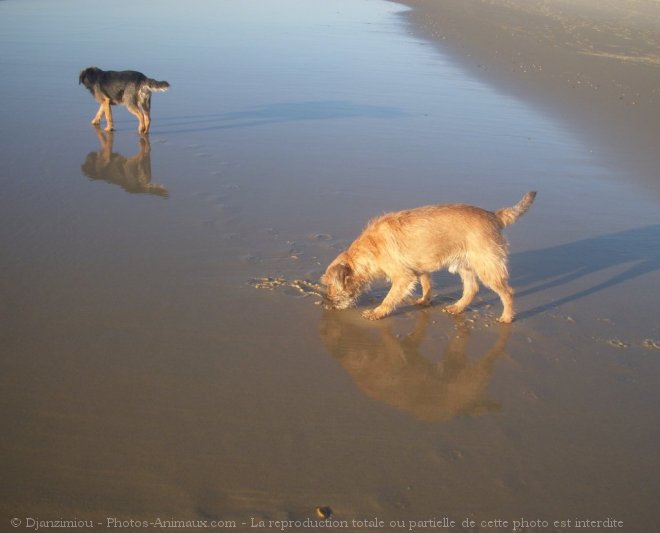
<point>408,245</point>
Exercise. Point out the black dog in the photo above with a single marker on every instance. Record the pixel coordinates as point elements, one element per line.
<point>128,87</point>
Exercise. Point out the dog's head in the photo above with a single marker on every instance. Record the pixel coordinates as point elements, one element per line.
<point>88,76</point>
<point>342,284</point>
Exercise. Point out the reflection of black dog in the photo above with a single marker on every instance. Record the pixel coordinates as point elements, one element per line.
<point>128,87</point>
<point>133,174</point>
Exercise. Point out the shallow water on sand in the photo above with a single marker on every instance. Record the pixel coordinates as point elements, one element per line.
<point>143,374</point>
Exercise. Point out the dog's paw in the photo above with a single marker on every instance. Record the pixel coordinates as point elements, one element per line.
<point>371,314</point>
<point>425,302</point>
<point>453,309</point>
<point>505,319</point>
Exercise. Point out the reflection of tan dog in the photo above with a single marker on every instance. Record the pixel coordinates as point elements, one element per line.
<point>133,174</point>
<point>392,369</point>
<point>408,245</point>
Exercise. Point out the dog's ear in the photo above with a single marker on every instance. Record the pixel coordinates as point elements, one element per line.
<point>339,274</point>
<point>87,73</point>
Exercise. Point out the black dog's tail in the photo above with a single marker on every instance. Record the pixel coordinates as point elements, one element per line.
<point>509,215</point>
<point>154,85</point>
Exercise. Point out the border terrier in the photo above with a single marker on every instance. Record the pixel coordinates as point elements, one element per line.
<point>406,246</point>
<point>127,87</point>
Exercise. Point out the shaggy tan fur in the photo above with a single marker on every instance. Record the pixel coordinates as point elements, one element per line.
<point>406,246</point>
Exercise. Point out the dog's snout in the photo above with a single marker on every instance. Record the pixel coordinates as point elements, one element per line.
<point>327,302</point>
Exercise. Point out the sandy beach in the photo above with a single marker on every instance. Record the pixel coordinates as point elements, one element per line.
<point>595,64</point>
<point>165,360</point>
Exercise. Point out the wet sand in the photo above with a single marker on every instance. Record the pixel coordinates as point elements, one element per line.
<point>146,375</point>
<point>595,64</point>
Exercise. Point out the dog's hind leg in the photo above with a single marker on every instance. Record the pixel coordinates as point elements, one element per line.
<point>135,110</point>
<point>145,105</point>
<point>425,282</point>
<point>402,285</point>
<point>470,288</point>
<point>499,283</point>
<point>505,292</point>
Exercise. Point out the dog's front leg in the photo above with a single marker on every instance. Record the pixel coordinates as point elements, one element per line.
<point>425,281</point>
<point>109,126</point>
<point>99,114</point>
<point>401,287</point>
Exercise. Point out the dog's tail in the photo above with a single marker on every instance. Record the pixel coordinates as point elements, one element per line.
<point>509,215</point>
<point>154,85</point>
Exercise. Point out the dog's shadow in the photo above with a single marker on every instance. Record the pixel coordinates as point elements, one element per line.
<point>133,174</point>
<point>277,113</point>
<point>392,369</point>
<point>630,254</point>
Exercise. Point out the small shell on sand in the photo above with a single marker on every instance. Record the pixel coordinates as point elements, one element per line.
<point>323,512</point>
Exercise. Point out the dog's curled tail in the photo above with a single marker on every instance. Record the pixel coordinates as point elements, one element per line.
<point>154,85</point>
<point>509,215</point>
